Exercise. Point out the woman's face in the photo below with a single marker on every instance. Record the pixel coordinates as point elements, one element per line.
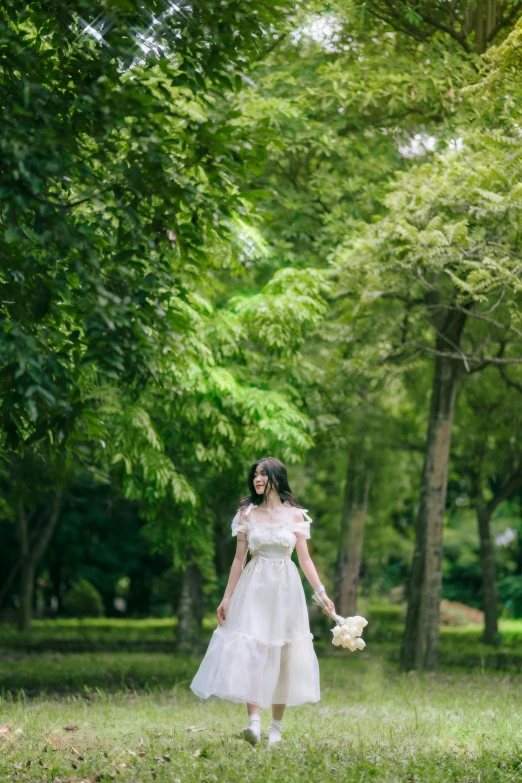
<point>260,479</point>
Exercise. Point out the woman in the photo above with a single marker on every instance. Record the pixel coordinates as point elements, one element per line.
<point>261,653</point>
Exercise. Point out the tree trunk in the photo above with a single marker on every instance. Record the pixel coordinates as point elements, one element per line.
<point>348,567</point>
<point>489,576</point>
<point>480,26</point>
<point>189,611</point>
<point>31,555</point>
<point>421,636</point>
<point>482,18</point>
<point>485,510</point>
<point>25,612</point>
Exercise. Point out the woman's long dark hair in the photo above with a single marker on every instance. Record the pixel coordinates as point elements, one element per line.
<point>277,479</point>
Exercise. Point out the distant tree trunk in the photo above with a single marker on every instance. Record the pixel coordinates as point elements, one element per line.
<point>484,22</point>
<point>485,510</point>
<point>421,636</point>
<point>190,614</point>
<point>489,576</point>
<point>31,553</point>
<point>25,612</point>
<point>358,480</point>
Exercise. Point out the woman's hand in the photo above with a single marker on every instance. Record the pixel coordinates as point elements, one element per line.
<point>222,610</point>
<point>329,604</point>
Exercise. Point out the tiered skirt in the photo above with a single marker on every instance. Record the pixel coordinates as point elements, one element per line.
<point>263,653</point>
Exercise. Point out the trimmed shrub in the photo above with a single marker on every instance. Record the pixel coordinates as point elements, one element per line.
<point>83,600</point>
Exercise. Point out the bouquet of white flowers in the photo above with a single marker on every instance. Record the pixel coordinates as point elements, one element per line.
<point>348,631</point>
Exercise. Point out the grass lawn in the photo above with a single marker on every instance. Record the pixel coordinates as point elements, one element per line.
<point>136,720</point>
<point>459,645</point>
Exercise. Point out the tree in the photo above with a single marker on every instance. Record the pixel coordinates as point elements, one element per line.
<point>118,182</point>
<point>488,458</point>
<point>433,271</point>
<point>345,94</point>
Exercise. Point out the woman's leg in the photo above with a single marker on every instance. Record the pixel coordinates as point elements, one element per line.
<point>253,709</point>
<point>274,730</point>
<point>281,696</point>
<point>252,733</point>
<point>277,711</point>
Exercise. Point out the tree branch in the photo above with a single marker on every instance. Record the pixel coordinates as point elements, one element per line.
<point>510,486</point>
<point>508,381</point>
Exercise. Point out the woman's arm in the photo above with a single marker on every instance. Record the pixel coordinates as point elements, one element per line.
<point>235,573</point>
<point>308,568</point>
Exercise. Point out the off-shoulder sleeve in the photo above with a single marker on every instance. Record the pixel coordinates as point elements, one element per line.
<point>241,521</point>
<point>301,523</point>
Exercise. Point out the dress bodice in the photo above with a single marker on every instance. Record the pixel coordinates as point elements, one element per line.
<point>272,540</point>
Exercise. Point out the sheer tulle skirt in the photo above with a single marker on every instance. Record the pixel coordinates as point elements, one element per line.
<point>263,653</point>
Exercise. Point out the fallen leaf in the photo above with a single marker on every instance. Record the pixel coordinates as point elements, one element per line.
<point>18,766</point>
<point>131,752</point>
<point>142,753</point>
<point>71,728</point>
<point>166,758</point>
<point>193,728</point>
<point>122,764</point>
<point>4,729</point>
<point>74,766</point>
<point>18,731</point>
<point>198,752</point>
<point>140,742</point>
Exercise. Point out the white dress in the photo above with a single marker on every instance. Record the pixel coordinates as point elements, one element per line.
<point>263,653</point>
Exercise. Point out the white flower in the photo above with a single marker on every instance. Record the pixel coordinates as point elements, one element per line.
<point>336,640</point>
<point>360,644</point>
<point>336,631</point>
<point>361,622</point>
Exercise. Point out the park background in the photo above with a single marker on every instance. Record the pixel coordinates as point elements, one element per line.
<point>239,229</point>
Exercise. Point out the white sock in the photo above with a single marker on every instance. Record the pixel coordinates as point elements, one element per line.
<point>274,731</point>
<point>252,734</point>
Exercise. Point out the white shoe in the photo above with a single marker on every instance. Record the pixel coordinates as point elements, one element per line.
<point>274,736</point>
<point>252,733</point>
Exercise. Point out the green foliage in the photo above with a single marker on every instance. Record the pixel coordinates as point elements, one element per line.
<point>83,600</point>
<point>118,174</point>
<point>510,591</point>
<point>343,95</point>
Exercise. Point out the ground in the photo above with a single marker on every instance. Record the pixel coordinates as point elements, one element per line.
<point>131,717</point>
